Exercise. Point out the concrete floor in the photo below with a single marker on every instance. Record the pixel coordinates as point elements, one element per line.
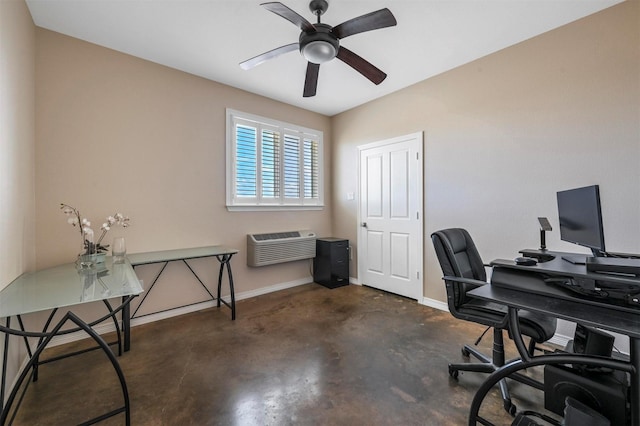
<point>302,356</point>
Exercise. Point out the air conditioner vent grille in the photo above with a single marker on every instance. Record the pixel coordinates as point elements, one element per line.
<point>280,247</point>
<point>276,236</point>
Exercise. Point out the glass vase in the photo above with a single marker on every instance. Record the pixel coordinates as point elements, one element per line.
<point>87,256</point>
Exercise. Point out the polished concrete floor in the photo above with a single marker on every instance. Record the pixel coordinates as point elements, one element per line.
<point>302,356</point>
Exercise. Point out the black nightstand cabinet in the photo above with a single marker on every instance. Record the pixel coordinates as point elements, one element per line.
<point>331,264</point>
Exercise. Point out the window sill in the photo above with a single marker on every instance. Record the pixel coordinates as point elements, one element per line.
<point>272,208</point>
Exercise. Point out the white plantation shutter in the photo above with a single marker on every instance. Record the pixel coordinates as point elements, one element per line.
<point>310,168</point>
<point>272,164</point>
<point>246,161</point>
<point>291,167</point>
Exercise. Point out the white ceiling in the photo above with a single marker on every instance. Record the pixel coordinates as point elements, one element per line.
<point>209,38</point>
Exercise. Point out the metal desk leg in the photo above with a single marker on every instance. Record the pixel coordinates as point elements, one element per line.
<point>224,260</point>
<point>153,283</point>
<point>517,365</point>
<point>5,353</point>
<point>516,335</point>
<point>219,281</point>
<point>634,352</point>
<point>232,291</point>
<point>6,416</point>
<point>126,324</point>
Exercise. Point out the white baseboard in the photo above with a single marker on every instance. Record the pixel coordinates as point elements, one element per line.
<point>433,303</point>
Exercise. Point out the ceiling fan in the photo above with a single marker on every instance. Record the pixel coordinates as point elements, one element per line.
<point>320,42</point>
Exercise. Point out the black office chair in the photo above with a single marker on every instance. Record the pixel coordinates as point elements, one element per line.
<point>463,271</point>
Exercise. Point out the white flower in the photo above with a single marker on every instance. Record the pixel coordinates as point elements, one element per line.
<point>75,219</point>
<point>121,220</point>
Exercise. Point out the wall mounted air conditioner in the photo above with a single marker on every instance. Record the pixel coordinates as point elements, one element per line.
<point>280,247</point>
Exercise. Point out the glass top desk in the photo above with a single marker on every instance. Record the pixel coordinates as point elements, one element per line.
<point>221,253</point>
<point>63,287</point>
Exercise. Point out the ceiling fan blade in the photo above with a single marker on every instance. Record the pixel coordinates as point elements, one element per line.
<point>291,16</point>
<point>362,66</point>
<point>257,60</point>
<point>371,21</point>
<point>311,81</point>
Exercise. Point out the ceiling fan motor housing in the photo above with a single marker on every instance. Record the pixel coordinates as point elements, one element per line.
<point>318,7</point>
<point>320,46</point>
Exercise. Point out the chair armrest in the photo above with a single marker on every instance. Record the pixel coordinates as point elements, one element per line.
<point>467,308</point>
<point>471,281</point>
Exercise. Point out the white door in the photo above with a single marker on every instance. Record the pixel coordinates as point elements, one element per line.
<point>390,238</point>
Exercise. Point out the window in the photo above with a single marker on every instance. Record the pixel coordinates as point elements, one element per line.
<point>272,165</point>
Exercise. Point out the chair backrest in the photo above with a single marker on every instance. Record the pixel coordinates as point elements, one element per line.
<point>458,257</point>
<point>457,254</point>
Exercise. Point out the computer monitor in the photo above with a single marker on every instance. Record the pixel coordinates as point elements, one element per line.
<point>580,219</point>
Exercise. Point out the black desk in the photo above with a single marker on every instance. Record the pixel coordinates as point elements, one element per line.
<point>561,269</point>
<point>528,291</point>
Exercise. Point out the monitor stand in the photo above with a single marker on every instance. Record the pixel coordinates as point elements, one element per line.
<point>581,259</point>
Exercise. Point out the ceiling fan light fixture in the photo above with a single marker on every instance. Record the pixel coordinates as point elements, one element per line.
<point>319,52</point>
<point>320,46</point>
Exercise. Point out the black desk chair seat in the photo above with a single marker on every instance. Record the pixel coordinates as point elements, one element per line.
<point>463,271</point>
<point>539,328</point>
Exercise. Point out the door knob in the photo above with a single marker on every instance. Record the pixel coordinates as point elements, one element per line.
<point>363,224</point>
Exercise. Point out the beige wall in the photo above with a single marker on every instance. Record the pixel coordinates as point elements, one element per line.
<point>505,132</point>
<point>17,142</point>
<point>117,133</point>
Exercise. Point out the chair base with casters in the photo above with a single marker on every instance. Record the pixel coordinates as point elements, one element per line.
<point>464,271</point>
<point>490,364</point>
